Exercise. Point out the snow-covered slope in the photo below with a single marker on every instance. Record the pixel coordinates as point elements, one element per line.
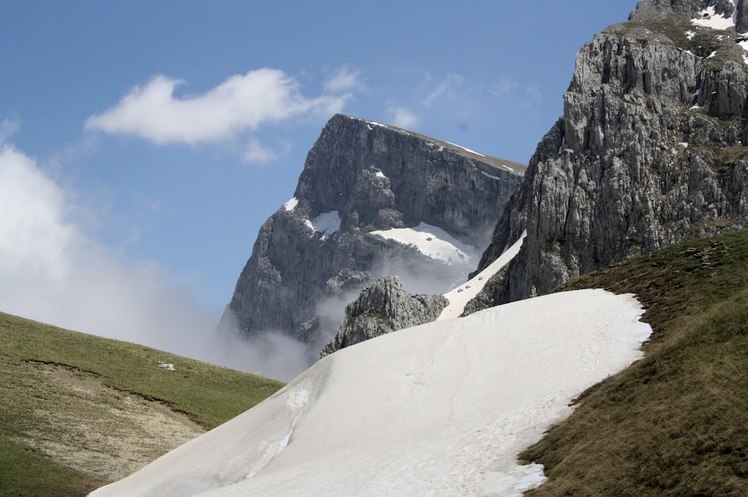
<point>441,409</point>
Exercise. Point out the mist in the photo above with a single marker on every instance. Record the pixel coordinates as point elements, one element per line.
<point>53,271</point>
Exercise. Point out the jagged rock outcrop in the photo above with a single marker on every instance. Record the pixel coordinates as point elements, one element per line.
<point>361,181</point>
<point>649,151</point>
<point>383,308</point>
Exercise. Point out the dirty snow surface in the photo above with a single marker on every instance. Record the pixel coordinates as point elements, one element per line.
<point>432,242</point>
<point>440,409</point>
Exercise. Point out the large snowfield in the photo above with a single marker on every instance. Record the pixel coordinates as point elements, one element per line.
<point>440,409</point>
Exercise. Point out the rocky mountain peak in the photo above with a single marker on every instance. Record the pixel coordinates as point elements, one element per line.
<point>372,200</point>
<point>649,150</point>
<point>371,189</point>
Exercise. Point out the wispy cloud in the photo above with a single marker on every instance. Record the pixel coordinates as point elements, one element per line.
<point>240,103</point>
<point>257,153</point>
<point>403,117</point>
<point>504,87</point>
<point>534,95</point>
<point>343,80</point>
<point>444,89</point>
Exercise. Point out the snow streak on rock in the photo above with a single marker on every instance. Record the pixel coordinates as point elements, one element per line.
<point>460,296</point>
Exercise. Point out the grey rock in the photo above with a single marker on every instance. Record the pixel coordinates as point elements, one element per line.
<point>383,308</point>
<point>685,9</point>
<point>649,151</point>
<point>374,177</point>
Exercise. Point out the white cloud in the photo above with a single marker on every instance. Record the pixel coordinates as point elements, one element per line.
<point>256,152</point>
<point>403,117</point>
<point>445,88</point>
<point>344,79</point>
<point>52,271</point>
<point>238,104</point>
<point>33,233</point>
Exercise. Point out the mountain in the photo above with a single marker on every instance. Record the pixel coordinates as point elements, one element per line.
<point>444,408</point>
<point>649,150</point>
<point>78,411</point>
<point>648,154</point>
<point>372,200</point>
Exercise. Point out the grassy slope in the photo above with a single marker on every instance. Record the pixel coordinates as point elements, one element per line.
<point>676,422</point>
<point>30,401</point>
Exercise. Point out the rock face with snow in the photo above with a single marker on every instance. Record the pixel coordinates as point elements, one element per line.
<point>442,409</point>
<point>649,151</point>
<point>372,200</point>
<point>382,308</point>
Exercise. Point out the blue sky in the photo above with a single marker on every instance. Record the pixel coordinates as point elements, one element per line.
<point>167,132</point>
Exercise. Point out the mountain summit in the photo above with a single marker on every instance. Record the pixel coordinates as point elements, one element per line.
<point>372,200</point>
<point>650,149</point>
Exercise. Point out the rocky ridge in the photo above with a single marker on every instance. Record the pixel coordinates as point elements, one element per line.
<point>382,308</point>
<point>365,184</point>
<point>649,150</point>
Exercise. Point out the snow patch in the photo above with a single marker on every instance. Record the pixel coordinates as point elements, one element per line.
<point>466,149</point>
<point>708,18</point>
<point>291,204</point>
<point>460,296</point>
<point>489,175</point>
<point>374,123</point>
<point>432,242</point>
<point>377,172</point>
<point>441,409</point>
<point>326,223</point>
<point>167,366</point>
<point>690,34</point>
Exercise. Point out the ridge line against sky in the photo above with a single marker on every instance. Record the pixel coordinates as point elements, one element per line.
<point>164,133</point>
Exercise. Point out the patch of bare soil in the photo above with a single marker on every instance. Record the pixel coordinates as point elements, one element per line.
<point>102,431</point>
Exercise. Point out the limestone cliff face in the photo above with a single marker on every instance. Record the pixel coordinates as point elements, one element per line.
<point>649,150</point>
<point>383,308</point>
<point>318,250</point>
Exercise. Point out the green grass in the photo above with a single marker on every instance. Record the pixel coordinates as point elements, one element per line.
<point>65,389</point>
<point>676,422</point>
<point>24,473</point>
